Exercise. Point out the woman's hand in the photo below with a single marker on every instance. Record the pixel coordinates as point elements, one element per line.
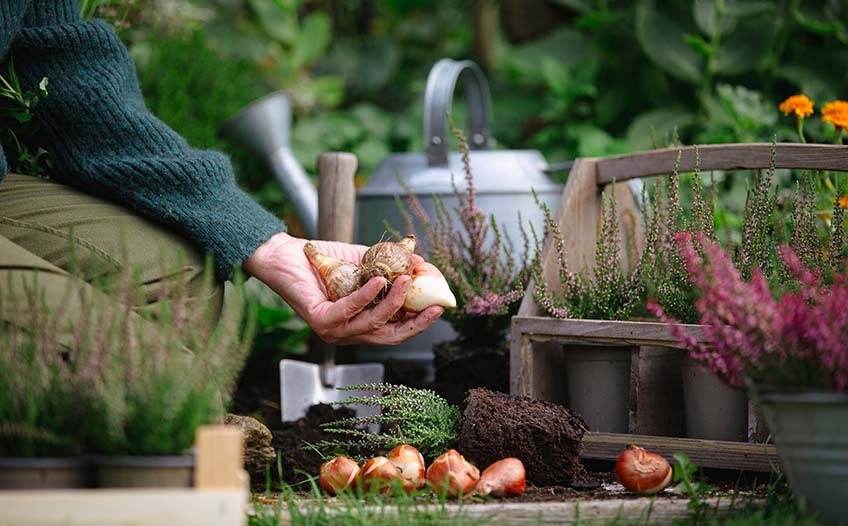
<point>281,264</point>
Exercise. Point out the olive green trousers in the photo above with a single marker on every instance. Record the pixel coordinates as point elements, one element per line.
<point>62,249</point>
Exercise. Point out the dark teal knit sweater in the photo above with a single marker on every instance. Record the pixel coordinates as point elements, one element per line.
<point>104,140</point>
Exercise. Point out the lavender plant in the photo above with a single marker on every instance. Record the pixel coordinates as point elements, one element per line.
<point>484,274</point>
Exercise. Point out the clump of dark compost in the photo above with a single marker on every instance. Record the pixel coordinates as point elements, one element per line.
<point>545,436</point>
<point>293,440</point>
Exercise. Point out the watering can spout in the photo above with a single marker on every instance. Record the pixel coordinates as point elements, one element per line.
<point>264,129</point>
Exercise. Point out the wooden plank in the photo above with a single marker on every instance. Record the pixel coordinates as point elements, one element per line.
<point>137,507</point>
<point>218,458</point>
<point>637,511</point>
<point>659,393</point>
<point>704,453</point>
<point>744,156</point>
<point>539,328</point>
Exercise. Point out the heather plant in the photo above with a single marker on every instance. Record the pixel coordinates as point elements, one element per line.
<point>418,417</point>
<point>608,293</point>
<point>664,275</point>
<point>477,260</point>
<point>112,379</point>
<point>797,340</point>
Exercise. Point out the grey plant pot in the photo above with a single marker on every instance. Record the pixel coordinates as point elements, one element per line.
<point>598,378</point>
<point>144,471</point>
<point>714,410</point>
<point>44,473</point>
<point>809,429</point>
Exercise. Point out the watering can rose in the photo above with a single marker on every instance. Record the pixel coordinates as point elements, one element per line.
<point>389,260</point>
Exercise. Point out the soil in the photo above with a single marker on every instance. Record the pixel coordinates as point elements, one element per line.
<point>460,369</point>
<point>545,436</point>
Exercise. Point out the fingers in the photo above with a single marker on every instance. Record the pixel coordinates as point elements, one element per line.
<point>372,319</point>
<point>349,306</point>
<point>395,333</point>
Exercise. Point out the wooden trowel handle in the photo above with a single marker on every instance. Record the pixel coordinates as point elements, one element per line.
<point>336,201</point>
<point>336,196</point>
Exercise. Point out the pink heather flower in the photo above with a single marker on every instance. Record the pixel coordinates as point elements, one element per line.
<point>802,339</point>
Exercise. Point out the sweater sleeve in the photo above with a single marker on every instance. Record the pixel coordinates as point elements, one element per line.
<point>11,15</point>
<point>105,141</point>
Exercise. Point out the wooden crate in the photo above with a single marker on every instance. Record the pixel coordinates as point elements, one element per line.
<point>219,497</point>
<point>536,354</point>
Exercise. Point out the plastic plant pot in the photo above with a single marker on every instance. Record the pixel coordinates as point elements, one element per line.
<point>598,378</point>
<point>44,473</point>
<point>714,410</point>
<point>144,471</point>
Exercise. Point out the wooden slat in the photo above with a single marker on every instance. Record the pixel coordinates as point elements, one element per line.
<point>658,510</point>
<point>218,458</point>
<point>539,328</point>
<point>137,507</point>
<point>744,156</point>
<point>704,453</point>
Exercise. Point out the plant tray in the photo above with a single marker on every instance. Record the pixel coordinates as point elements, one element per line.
<point>219,497</point>
<point>537,342</point>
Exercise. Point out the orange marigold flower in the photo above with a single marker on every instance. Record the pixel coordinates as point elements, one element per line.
<point>843,201</point>
<point>836,112</point>
<point>801,105</point>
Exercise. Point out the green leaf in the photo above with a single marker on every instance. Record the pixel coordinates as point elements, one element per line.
<point>313,40</point>
<point>748,9</point>
<point>707,17</point>
<point>277,18</point>
<point>665,44</point>
<point>566,46</point>
<point>747,49</point>
<point>657,124</point>
<point>701,46</point>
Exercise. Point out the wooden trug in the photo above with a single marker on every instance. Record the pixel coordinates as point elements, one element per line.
<point>536,364</point>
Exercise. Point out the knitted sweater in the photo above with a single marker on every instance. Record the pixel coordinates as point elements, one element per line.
<point>104,141</point>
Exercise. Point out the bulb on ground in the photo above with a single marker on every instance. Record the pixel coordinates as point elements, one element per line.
<point>452,475</point>
<point>641,471</point>
<point>410,462</point>
<point>379,474</point>
<point>504,478</point>
<point>338,474</point>
<point>428,288</point>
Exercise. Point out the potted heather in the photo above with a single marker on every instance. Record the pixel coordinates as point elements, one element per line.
<point>790,349</point>
<point>597,376</point>
<point>711,408</point>
<point>480,266</point>
<point>41,410</point>
<point>169,378</point>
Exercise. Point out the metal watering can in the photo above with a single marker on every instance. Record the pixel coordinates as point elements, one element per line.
<point>503,178</point>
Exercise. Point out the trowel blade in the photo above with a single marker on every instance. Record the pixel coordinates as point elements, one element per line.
<point>301,387</point>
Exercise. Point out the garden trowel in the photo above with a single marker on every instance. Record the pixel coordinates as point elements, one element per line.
<point>303,384</point>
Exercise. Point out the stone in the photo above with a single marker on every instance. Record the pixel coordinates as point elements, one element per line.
<point>258,451</point>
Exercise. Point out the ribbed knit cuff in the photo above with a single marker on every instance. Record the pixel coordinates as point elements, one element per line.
<point>230,223</point>
<point>51,12</point>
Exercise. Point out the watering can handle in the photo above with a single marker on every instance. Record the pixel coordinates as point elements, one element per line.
<point>441,83</point>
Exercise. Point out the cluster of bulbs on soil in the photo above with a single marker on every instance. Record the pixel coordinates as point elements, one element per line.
<point>450,474</point>
<point>389,260</point>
